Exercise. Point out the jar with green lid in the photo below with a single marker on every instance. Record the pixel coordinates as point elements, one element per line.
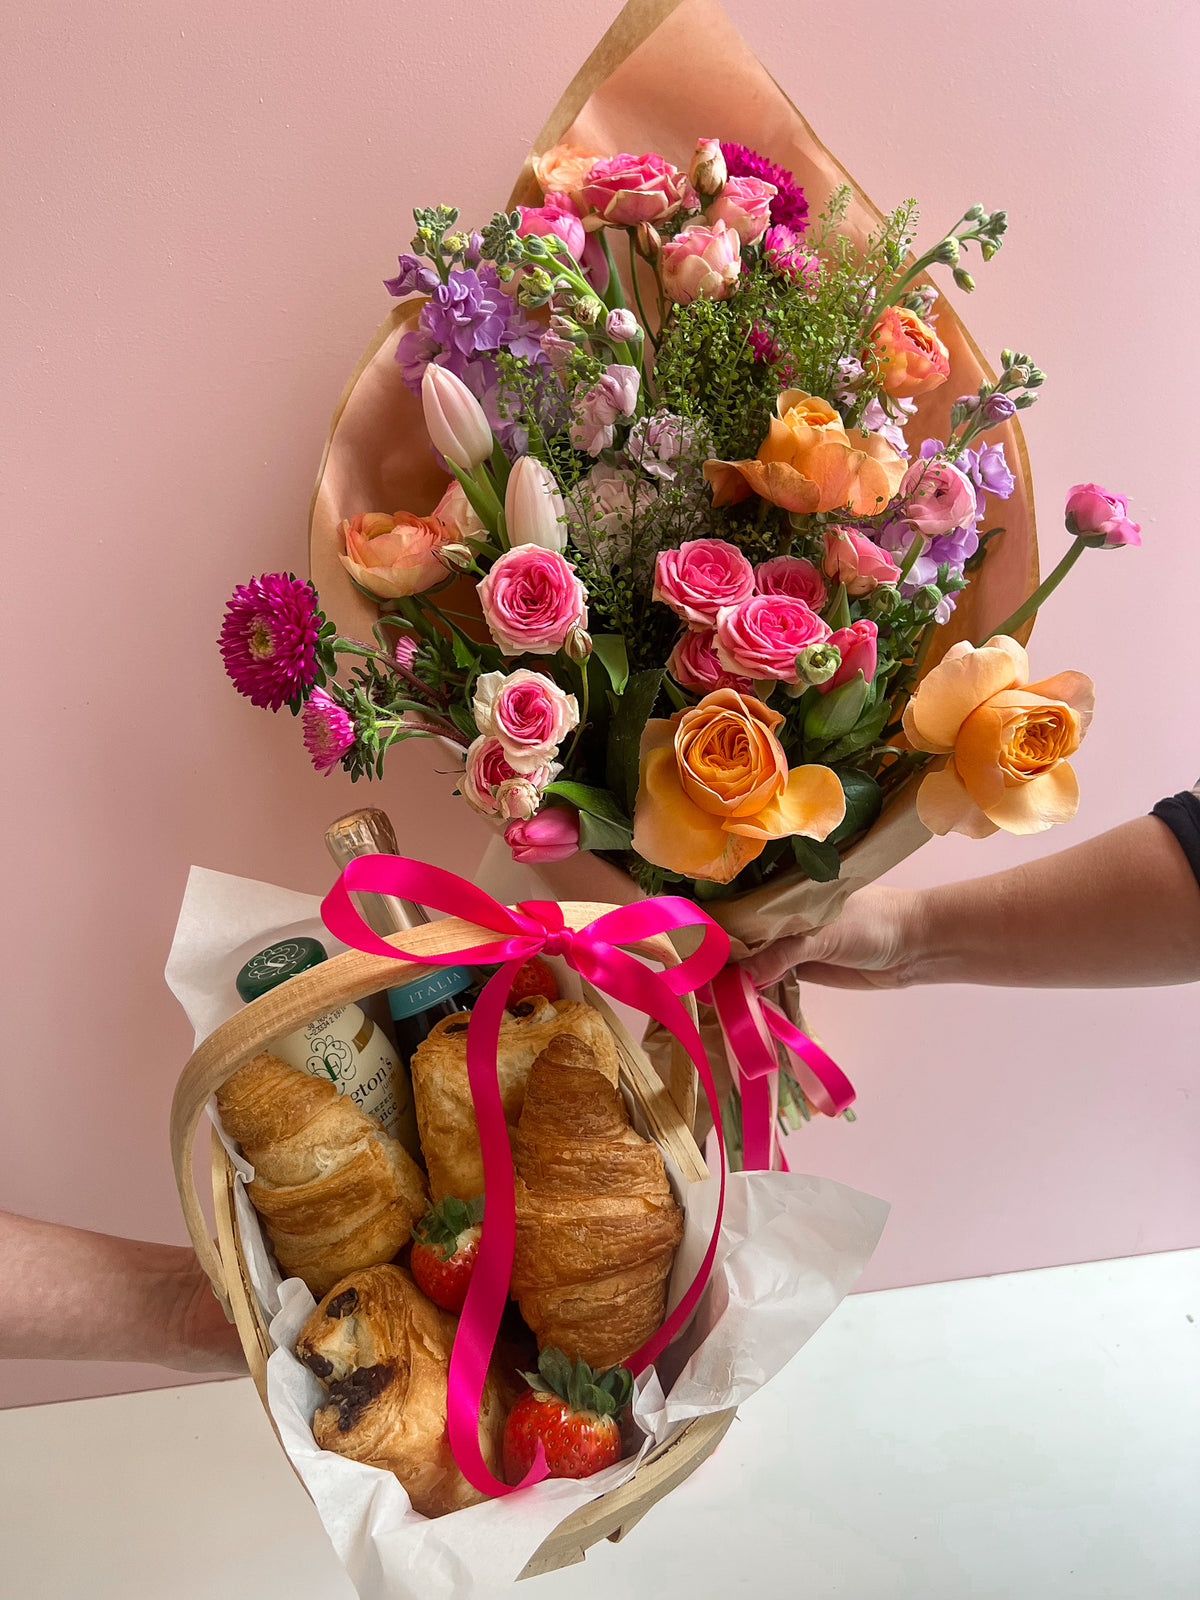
<point>344,1044</point>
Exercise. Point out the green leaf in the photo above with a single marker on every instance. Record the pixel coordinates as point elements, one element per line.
<point>609,650</point>
<point>820,861</point>
<point>866,732</point>
<point>624,741</point>
<point>863,802</point>
<point>462,719</point>
<point>602,823</point>
<point>597,834</point>
<point>465,654</point>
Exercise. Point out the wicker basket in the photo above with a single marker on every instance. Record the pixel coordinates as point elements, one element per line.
<point>666,1110</point>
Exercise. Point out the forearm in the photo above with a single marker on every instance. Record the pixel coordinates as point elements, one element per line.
<point>1119,911</point>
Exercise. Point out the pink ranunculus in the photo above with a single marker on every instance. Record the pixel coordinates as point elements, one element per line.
<point>487,768</point>
<point>1100,517</point>
<point>859,652</point>
<point>701,263</point>
<point>393,556</point>
<point>761,637</point>
<point>744,205</point>
<point>851,558</point>
<point>937,497</point>
<point>527,712</point>
<point>626,190</point>
<point>531,599</point>
<point>694,665</point>
<point>557,218</point>
<point>791,575</point>
<point>552,835</point>
<point>700,578</point>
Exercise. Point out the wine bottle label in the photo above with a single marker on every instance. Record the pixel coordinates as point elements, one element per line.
<point>409,999</point>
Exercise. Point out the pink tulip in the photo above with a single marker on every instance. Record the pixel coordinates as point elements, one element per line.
<point>552,835</point>
<point>859,652</point>
<point>454,419</point>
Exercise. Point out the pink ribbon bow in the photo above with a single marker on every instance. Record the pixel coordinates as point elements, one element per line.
<point>535,927</point>
<point>751,1026</point>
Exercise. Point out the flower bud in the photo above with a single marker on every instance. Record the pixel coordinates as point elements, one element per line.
<point>837,712</point>
<point>817,663</point>
<point>708,172</point>
<point>535,287</point>
<point>947,252</point>
<point>454,419</point>
<point>999,407</point>
<point>927,599</point>
<point>648,241</point>
<point>578,644</point>
<point>975,214</point>
<point>533,507</point>
<point>964,280</point>
<point>588,310</point>
<point>456,557</point>
<point>885,601</point>
<point>621,326</point>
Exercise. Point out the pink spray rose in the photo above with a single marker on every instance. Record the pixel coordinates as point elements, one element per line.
<point>859,652</point>
<point>744,205</point>
<point>517,798</point>
<point>531,600</point>
<point>701,263</point>
<point>487,769</point>
<point>761,637</point>
<point>557,218</point>
<point>527,712</point>
<point>701,577</point>
<point>552,835</point>
<point>851,558</point>
<point>937,498</point>
<point>1100,518</point>
<point>396,555</point>
<point>626,190</point>
<point>793,576</point>
<point>694,665</point>
<point>708,172</point>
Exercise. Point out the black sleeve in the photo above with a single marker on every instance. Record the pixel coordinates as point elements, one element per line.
<point>1181,813</point>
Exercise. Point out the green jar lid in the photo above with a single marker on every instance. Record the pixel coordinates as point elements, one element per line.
<point>277,963</point>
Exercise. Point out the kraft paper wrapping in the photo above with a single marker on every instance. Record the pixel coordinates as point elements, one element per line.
<point>665,73</point>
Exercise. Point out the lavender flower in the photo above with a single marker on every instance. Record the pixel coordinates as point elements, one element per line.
<point>998,408</point>
<point>269,639</point>
<point>845,383</point>
<point>328,731</point>
<point>989,471</point>
<point>876,419</point>
<point>789,207</point>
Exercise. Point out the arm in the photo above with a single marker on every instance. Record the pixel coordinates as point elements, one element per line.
<point>1119,911</point>
<point>70,1295</point>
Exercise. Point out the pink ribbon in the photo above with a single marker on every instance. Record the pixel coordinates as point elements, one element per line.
<point>535,927</point>
<point>752,1026</point>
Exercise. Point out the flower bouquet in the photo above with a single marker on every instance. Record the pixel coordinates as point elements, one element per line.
<point>678,502</point>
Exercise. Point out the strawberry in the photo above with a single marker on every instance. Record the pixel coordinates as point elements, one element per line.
<point>535,977</point>
<point>573,1411</point>
<point>445,1244</point>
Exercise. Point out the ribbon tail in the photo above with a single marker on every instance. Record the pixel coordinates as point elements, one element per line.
<point>818,1074</point>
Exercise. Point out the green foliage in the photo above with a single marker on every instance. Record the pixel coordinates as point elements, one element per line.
<point>602,823</point>
<point>633,711</point>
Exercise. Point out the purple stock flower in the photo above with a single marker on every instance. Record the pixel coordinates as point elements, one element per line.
<point>875,419</point>
<point>466,314</point>
<point>998,408</point>
<point>656,444</point>
<point>269,639</point>
<point>414,277</point>
<point>789,208</point>
<point>328,731</point>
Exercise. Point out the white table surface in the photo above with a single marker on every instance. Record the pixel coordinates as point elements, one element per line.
<point>1029,1436</point>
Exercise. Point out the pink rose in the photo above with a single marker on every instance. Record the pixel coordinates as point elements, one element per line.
<point>761,637</point>
<point>627,190</point>
<point>701,263</point>
<point>859,652</point>
<point>708,172</point>
<point>744,205</point>
<point>937,498</point>
<point>792,576</point>
<point>851,558</point>
<point>557,218</point>
<point>552,835</point>
<point>527,712</point>
<point>531,600</point>
<point>517,798</point>
<point>396,555</point>
<point>1100,518</point>
<point>701,577</point>
<point>487,769</point>
<point>694,665</point>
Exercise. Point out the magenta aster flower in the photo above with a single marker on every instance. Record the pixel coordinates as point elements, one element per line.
<point>789,208</point>
<point>328,730</point>
<point>269,639</point>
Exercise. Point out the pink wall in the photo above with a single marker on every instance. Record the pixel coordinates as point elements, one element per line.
<point>202,199</point>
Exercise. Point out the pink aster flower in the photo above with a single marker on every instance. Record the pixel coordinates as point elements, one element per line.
<point>328,730</point>
<point>269,639</point>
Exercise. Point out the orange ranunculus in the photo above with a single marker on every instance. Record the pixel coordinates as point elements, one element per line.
<point>808,462</point>
<point>1007,740</point>
<point>715,787</point>
<point>394,555</point>
<point>911,358</point>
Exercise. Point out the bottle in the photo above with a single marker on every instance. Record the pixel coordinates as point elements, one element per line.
<point>344,1044</point>
<point>414,1007</point>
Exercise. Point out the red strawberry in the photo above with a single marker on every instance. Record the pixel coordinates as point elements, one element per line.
<point>535,977</point>
<point>574,1412</point>
<point>445,1244</point>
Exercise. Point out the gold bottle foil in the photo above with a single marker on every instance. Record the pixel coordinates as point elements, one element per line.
<point>369,832</point>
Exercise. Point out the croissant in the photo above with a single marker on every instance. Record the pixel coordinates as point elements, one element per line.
<point>383,1351</point>
<point>442,1093</point>
<point>333,1190</point>
<point>597,1225</point>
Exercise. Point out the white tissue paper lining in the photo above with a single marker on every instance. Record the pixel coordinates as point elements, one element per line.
<point>791,1247</point>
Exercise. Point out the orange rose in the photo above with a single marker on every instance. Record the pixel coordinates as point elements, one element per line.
<point>808,462</point>
<point>911,358</point>
<point>1007,739</point>
<point>394,555</point>
<point>564,168</point>
<point>715,787</point>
